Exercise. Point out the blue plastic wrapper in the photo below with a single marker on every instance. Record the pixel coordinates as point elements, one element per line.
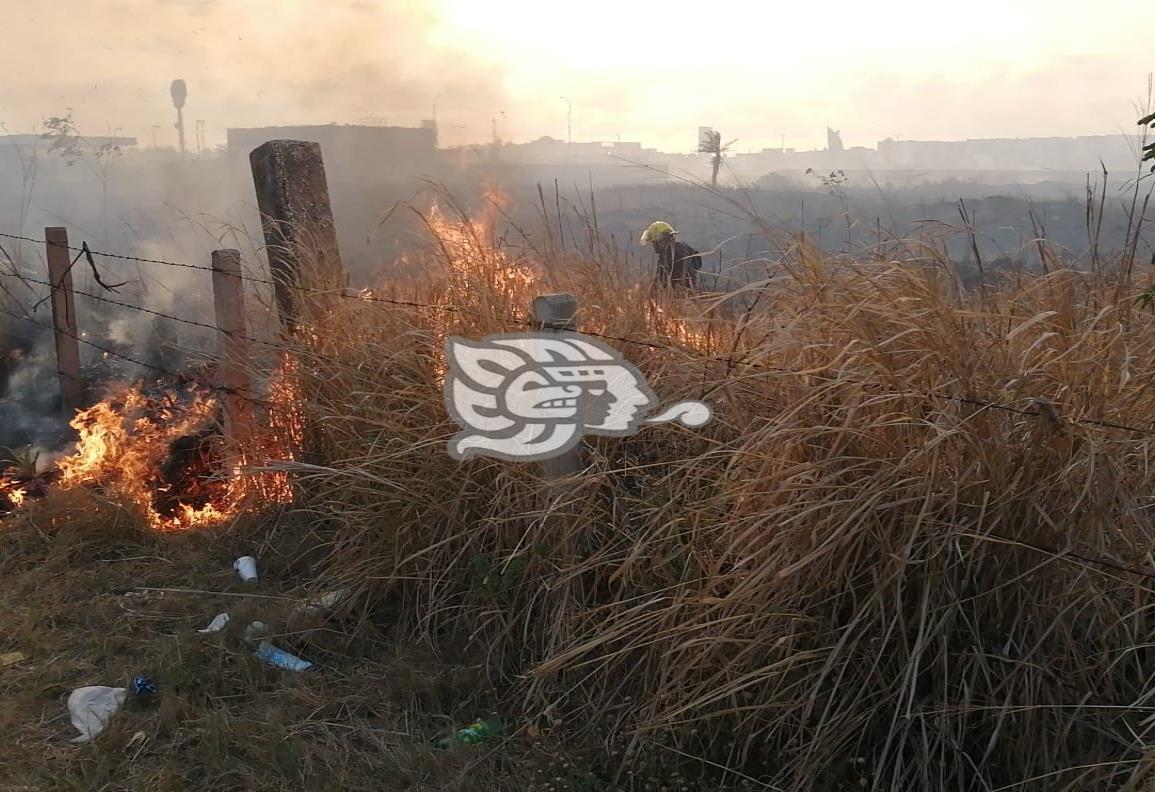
<point>143,686</point>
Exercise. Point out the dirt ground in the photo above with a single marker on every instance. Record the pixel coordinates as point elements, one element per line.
<point>76,604</point>
<point>88,598</point>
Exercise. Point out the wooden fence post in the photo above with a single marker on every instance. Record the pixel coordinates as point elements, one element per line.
<point>297,219</point>
<point>558,312</point>
<point>229,305</point>
<point>64,319</point>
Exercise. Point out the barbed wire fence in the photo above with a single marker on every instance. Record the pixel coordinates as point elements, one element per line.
<point>1043,409</point>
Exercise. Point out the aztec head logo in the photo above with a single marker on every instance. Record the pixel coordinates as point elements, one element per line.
<point>531,396</point>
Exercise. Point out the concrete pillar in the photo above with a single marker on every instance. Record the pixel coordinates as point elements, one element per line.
<point>297,220</point>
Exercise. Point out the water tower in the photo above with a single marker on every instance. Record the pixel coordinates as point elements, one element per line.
<point>179,92</point>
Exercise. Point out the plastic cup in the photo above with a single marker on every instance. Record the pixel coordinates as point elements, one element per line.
<point>246,567</point>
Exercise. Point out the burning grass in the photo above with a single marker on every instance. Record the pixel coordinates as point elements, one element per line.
<point>856,572</point>
<point>125,442</point>
<point>160,449</point>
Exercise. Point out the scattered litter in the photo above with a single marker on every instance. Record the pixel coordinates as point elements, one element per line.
<point>281,659</point>
<point>255,632</point>
<point>246,567</point>
<point>143,686</point>
<point>325,602</point>
<point>90,709</point>
<point>138,741</point>
<point>217,624</point>
<point>11,658</point>
<point>329,600</point>
<point>476,732</point>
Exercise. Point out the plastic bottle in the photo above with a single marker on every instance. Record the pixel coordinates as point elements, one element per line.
<point>281,659</point>
<point>476,732</point>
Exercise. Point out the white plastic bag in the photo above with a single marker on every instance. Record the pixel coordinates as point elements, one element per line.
<point>90,709</point>
<point>217,624</point>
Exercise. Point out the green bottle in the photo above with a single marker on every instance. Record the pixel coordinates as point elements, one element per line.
<point>476,732</point>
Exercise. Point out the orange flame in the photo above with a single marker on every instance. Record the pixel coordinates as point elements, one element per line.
<point>483,277</point>
<point>681,330</point>
<point>125,440</point>
<point>479,264</point>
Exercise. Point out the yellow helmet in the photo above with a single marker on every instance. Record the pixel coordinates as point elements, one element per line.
<point>658,230</point>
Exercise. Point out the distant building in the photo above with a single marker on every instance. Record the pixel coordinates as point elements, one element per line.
<point>392,154</point>
<point>386,152</point>
<point>1010,154</point>
<point>602,164</point>
<point>1019,156</point>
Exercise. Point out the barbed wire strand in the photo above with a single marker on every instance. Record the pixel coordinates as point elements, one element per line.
<point>251,279</point>
<point>142,309</point>
<point>110,255</point>
<point>134,361</point>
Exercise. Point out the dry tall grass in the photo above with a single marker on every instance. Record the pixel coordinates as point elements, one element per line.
<point>856,572</point>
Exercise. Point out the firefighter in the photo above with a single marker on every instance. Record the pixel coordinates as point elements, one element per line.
<point>678,263</point>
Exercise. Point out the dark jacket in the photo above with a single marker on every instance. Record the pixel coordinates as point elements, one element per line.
<point>678,265</point>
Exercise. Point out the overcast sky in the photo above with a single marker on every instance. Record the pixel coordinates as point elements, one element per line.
<point>758,71</point>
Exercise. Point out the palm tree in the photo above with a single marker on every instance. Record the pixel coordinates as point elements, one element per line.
<point>710,142</point>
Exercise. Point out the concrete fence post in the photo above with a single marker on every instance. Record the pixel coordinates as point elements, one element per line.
<point>297,220</point>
